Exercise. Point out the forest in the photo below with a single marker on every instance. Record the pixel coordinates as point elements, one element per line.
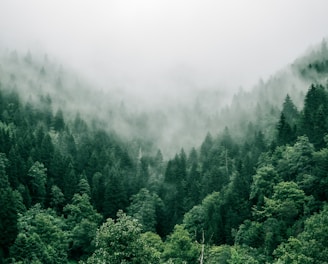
<point>72,190</point>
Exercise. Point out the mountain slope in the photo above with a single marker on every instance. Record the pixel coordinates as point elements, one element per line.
<point>255,192</point>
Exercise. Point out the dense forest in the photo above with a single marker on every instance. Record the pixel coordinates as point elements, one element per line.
<point>74,191</point>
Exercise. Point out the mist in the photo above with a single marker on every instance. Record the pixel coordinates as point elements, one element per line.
<point>166,56</point>
<point>149,46</point>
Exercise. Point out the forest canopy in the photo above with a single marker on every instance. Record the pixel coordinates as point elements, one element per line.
<point>74,191</point>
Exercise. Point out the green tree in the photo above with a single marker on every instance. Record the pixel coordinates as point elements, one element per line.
<point>263,181</point>
<point>218,255</point>
<point>41,237</point>
<point>83,186</point>
<point>290,111</point>
<point>310,246</point>
<point>82,221</point>
<point>8,211</point>
<point>58,121</point>
<point>314,116</point>
<point>154,243</point>
<point>240,255</point>
<point>120,242</point>
<point>207,218</point>
<point>145,207</point>
<point>57,198</point>
<point>285,133</point>
<point>179,247</point>
<point>115,195</point>
<point>37,177</point>
<point>286,204</point>
<point>291,252</point>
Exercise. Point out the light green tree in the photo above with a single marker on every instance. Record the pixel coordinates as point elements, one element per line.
<point>82,221</point>
<point>120,241</point>
<point>41,237</point>
<point>179,248</point>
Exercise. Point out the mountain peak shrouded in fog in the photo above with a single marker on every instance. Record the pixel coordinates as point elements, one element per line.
<point>172,64</point>
<point>149,47</point>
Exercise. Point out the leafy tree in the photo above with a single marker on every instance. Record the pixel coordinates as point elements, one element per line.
<point>207,218</point>
<point>241,256</point>
<point>82,221</point>
<point>263,181</point>
<point>310,246</point>
<point>121,241</point>
<point>250,233</point>
<point>218,254</point>
<point>154,243</point>
<point>286,204</point>
<point>179,247</point>
<point>315,236</point>
<point>292,252</point>
<point>41,237</point>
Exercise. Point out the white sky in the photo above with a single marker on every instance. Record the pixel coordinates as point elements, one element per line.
<point>159,44</point>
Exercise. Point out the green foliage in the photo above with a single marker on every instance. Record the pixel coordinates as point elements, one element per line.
<point>37,178</point>
<point>115,195</point>
<point>314,117</point>
<point>241,256</point>
<point>206,217</point>
<point>145,207</point>
<point>263,181</point>
<point>153,243</point>
<point>253,198</point>
<point>218,255</point>
<point>82,222</point>
<point>83,186</point>
<point>57,198</point>
<point>250,233</point>
<point>286,204</point>
<point>179,248</point>
<point>120,241</point>
<point>8,210</point>
<point>310,246</point>
<point>291,252</point>
<point>41,237</point>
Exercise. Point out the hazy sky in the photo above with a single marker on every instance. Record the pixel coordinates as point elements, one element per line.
<point>160,44</point>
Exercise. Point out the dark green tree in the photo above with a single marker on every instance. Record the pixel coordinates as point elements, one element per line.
<point>145,207</point>
<point>8,211</point>
<point>37,178</point>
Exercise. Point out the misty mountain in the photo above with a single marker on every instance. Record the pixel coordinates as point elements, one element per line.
<point>170,121</point>
<point>83,179</point>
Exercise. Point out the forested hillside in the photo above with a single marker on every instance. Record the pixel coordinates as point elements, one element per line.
<point>72,190</point>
